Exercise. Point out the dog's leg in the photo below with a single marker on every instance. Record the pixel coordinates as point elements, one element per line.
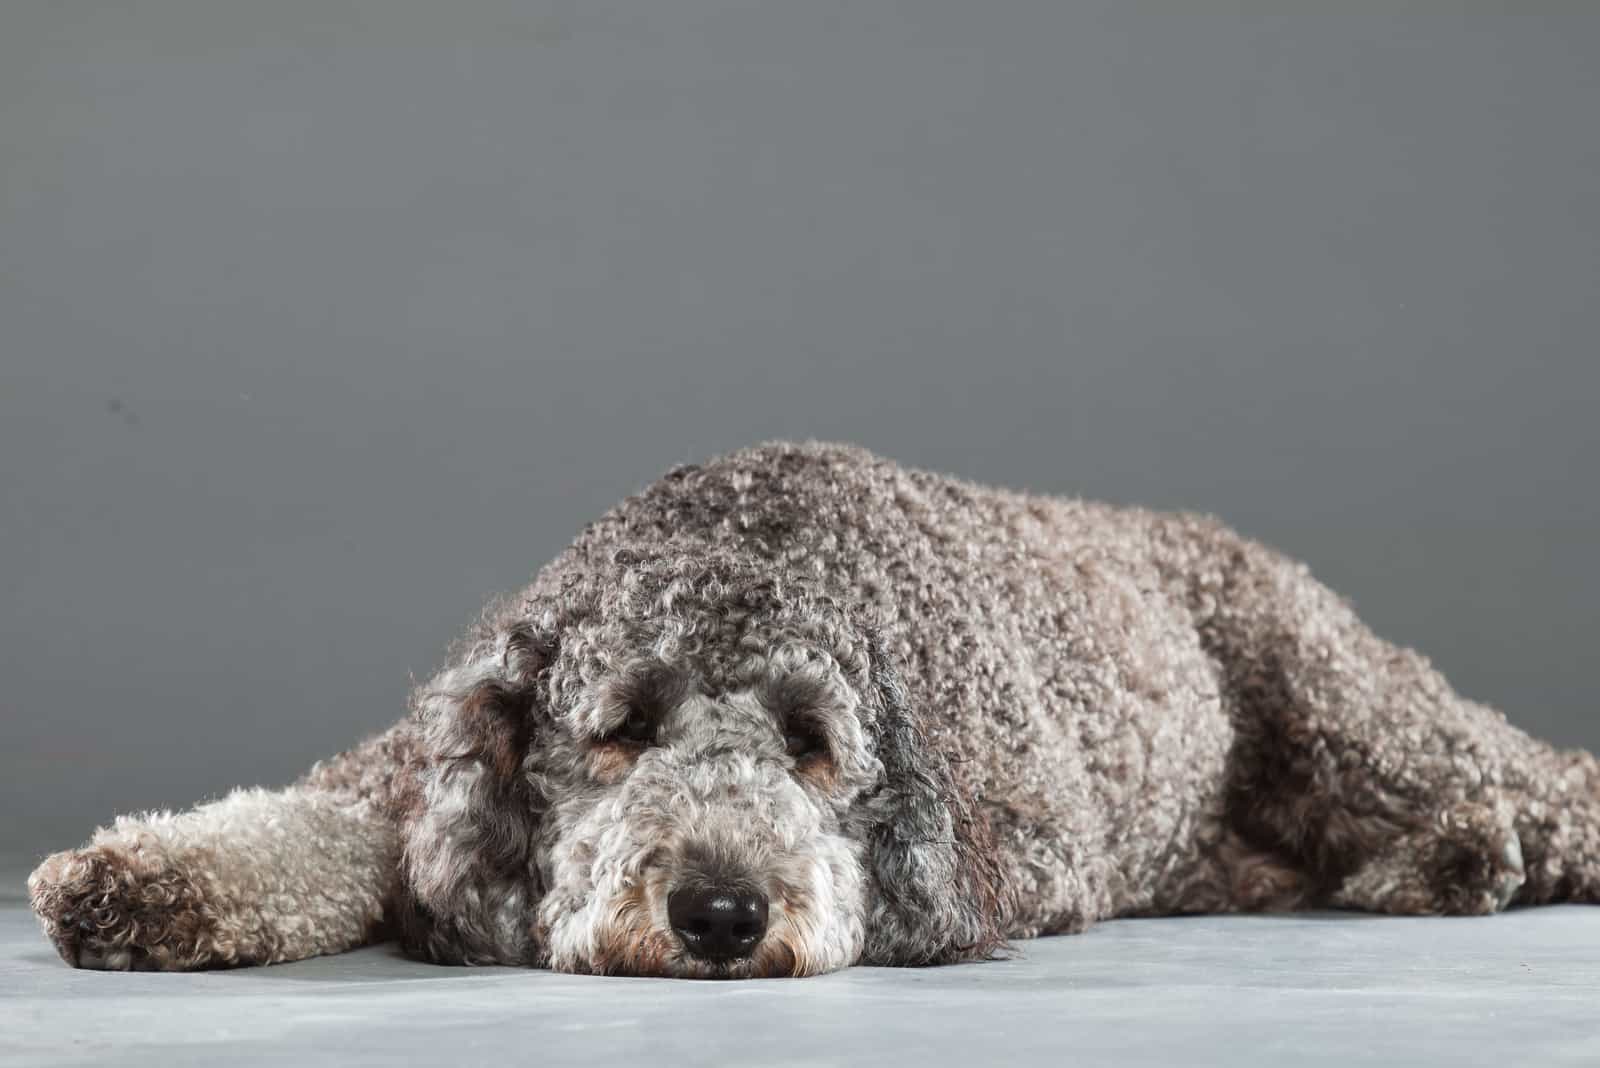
<point>1356,757</point>
<point>256,877</point>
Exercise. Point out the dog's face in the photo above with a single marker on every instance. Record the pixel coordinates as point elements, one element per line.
<point>691,771</point>
<point>700,821</point>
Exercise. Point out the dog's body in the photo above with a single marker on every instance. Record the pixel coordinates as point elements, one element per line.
<point>799,708</point>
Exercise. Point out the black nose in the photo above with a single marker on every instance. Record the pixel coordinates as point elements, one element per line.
<point>718,922</point>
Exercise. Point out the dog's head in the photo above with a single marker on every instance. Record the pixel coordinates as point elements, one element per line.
<point>685,766</point>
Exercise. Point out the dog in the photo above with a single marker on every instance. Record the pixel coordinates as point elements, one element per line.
<point>799,708</point>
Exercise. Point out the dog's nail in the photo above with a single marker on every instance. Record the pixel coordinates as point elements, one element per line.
<point>1512,854</point>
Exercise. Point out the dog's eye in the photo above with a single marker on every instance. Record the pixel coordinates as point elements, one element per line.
<point>639,728</point>
<point>802,741</point>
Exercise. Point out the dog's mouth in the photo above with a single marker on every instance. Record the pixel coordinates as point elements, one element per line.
<point>771,960</point>
<point>716,970</point>
<point>643,949</point>
<point>657,955</point>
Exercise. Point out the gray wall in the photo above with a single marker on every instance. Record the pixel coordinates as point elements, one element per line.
<point>322,320</point>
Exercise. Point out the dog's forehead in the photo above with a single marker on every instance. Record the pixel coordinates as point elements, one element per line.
<point>684,622</point>
<point>720,648</point>
<point>777,669</point>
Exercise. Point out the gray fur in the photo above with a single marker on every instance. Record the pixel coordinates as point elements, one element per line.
<point>1019,715</point>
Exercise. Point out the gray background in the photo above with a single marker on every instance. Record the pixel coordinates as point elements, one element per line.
<point>322,320</point>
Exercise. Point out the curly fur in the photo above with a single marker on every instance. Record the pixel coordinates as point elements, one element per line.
<point>1025,714</point>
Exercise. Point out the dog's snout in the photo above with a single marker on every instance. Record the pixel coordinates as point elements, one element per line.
<point>718,923</point>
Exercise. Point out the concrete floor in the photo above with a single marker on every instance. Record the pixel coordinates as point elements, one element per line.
<point>1305,990</point>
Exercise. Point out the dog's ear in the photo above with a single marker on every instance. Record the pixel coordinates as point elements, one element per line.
<point>466,808</point>
<point>940,894</point>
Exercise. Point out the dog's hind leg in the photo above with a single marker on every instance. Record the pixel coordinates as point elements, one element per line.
<point>255,877</point>
<point>1357,758</point>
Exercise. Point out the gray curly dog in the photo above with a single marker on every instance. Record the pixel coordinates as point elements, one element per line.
<point>799,708</point>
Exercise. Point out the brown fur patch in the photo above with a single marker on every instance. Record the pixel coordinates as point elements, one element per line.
<point>820,770</point>
<point>609,762</point>
<point>495,717</point>
<point>629,943</point>
<point>780,957</point>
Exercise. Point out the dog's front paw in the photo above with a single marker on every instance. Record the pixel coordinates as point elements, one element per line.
<point>119,909</point>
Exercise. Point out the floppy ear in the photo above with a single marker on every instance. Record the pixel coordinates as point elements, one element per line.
<point>941,897</point>
<point>466,808</point>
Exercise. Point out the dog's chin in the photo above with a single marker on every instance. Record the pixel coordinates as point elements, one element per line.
<point>743,968</point>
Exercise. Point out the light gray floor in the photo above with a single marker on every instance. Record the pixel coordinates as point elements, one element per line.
<point>1302,990</point>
